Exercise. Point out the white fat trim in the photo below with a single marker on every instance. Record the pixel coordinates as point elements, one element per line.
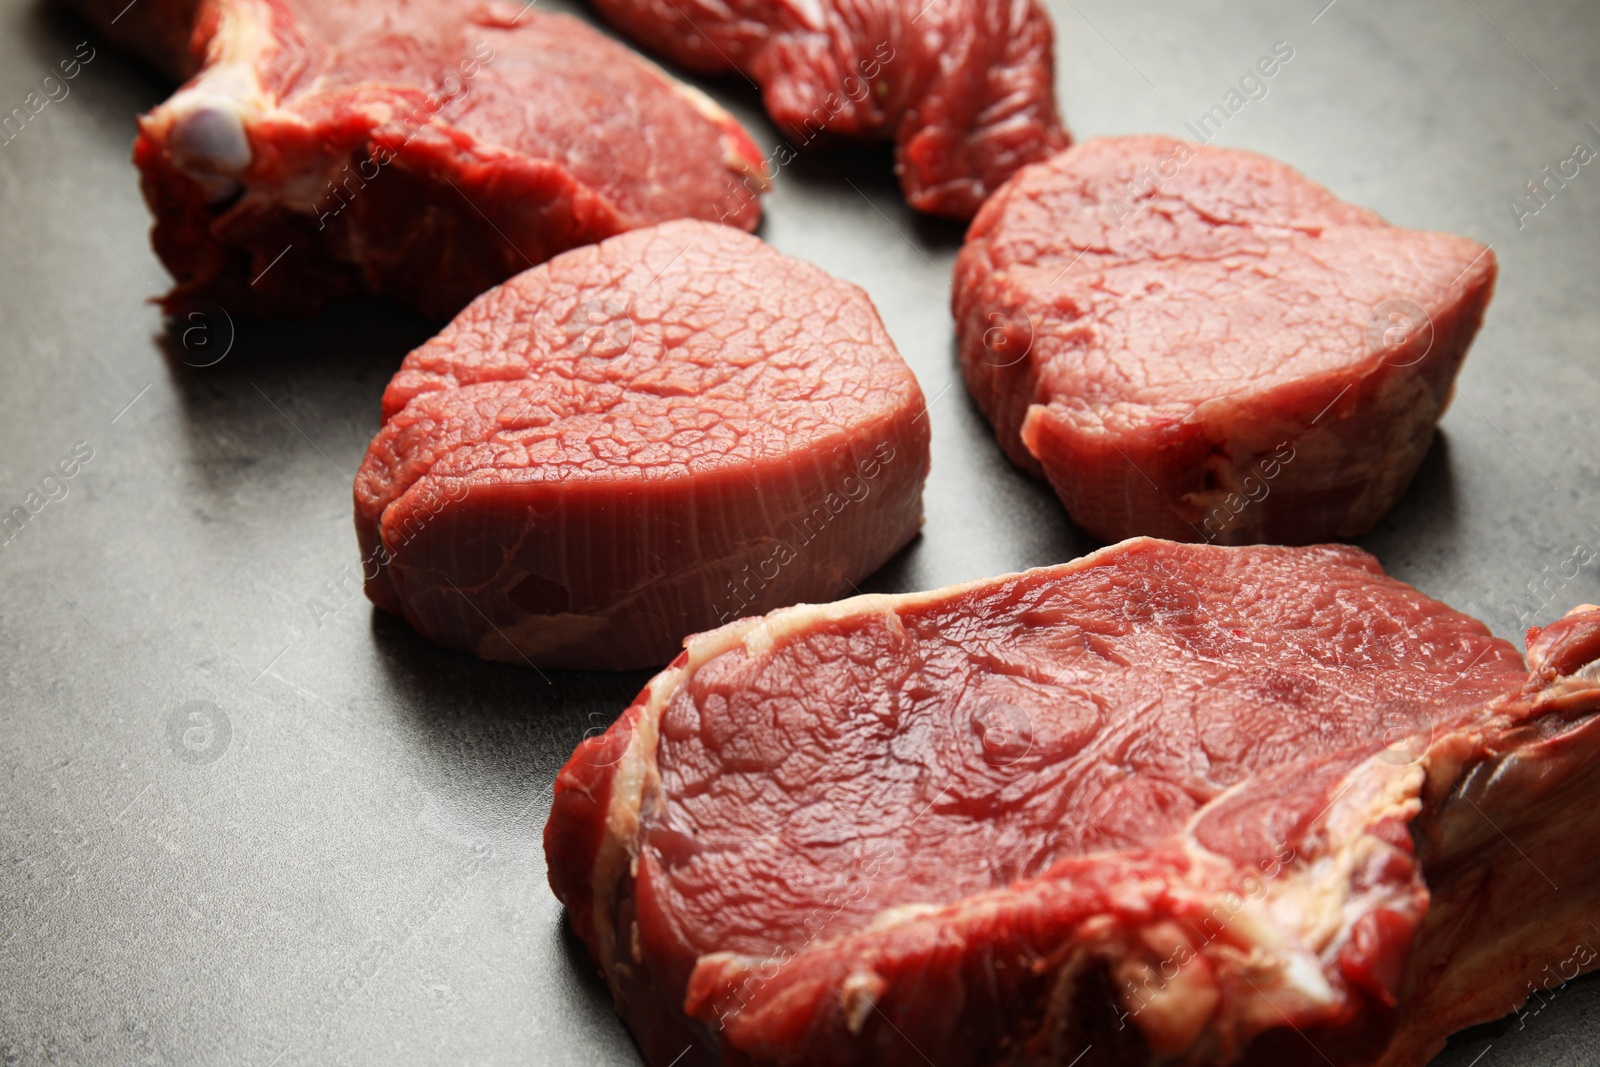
<point>634,775</point>
<point>238,49</point>
<point>858,995</point>
<point>637,770</point>
<point>207,122</point>
<point>1303,974</point>
<point>1281,940</point>
<point>901,914</point>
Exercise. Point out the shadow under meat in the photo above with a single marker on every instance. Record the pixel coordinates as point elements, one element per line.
<point>496,721</point>
<point>1522,1030</point>
<point>575,954</point>
<point>121,87</point>
<point>255,391</point>
<point>831,165</point>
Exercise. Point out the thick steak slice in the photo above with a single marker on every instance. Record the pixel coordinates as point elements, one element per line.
<point>426,149</point>
<point>965,88</point>
<point>1201,344</point>
<point>1167,804</point>
<point>639,440</point>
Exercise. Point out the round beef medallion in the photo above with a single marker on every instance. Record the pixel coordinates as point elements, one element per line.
<point>636,441</point>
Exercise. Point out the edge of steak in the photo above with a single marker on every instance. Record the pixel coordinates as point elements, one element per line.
<point>1201,835</point>
<point>1202,344</point>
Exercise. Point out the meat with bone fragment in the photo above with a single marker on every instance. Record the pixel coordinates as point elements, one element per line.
<point>426,150</point>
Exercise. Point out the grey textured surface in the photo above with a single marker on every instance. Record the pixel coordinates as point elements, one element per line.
<point>340,861</point>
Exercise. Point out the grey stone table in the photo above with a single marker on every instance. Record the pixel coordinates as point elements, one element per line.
<point>246,820</point>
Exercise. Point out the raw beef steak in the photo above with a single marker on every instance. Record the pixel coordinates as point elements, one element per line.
<point>964,87</point>
<point>427,149</point>
<point>1168,804</point>
<point>1201,344</point>
<point>639,440</point>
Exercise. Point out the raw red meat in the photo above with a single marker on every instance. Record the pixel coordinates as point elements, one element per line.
<point>964,87</point>
<point>1199,343</point>
<point>1175,804</point>
<point>426,149</point>
<point>638,440</point>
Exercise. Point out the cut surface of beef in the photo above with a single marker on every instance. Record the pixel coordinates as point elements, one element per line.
<point>1167,804</point>
<point>965,88</point>
<point>638,440</point>
<point>1201,344</point>
<point>425,149</point>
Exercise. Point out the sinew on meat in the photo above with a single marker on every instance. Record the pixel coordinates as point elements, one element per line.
<point>425,150</point>
<point>1167,804</point>
<point>1201,344</point>
<point>636,441</point>
<point>965,88</point>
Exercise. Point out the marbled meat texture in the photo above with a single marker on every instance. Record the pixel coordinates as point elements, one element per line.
<point>1168,804</point>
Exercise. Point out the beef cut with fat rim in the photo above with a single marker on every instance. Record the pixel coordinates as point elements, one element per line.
<point>1201,344</point>
<point>1168,804</point>
<point>635,441</point>
<point>965,88</point>
<point>423,149</point>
